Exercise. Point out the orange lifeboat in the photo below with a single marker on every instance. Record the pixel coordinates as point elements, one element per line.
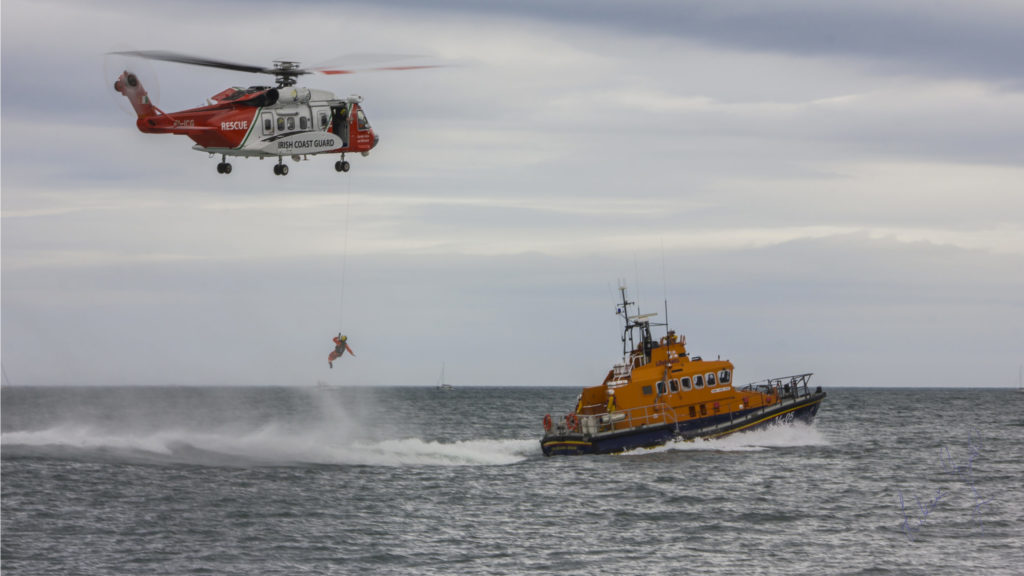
<point>659,393</point>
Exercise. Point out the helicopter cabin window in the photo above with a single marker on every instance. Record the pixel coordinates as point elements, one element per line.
<point>323,120</point>
<point>280,124</point>
<point>268,124</point>
<point>673,385</point>
<point>303,123</point>
<point>361,119</point>
<point>661,387</point>
<point>698,381</point>
<point>711,379</point>
<point>723,376</point>
<point>685,381</point>
<point>291,123</point>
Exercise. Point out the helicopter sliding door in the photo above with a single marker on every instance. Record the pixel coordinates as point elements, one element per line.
<point>339,122</point>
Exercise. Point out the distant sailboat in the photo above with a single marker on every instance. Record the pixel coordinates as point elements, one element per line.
<point>441,384</point>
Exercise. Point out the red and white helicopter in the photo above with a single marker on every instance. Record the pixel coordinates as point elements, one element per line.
<point>260,121</point>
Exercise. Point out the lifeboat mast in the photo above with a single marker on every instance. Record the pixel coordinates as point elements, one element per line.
<point>639,322</point>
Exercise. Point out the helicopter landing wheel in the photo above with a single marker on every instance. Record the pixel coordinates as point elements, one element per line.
<point>281,169</point>
<point>342,166</point>
<point>224,168</point>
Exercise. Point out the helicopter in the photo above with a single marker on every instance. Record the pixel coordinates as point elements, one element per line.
<point>260,121</point>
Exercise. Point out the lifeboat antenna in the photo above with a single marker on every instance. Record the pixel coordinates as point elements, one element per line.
<point>623,310</point>
<point>664,285</point>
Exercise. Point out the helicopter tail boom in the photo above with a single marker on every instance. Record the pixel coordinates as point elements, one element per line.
<point>153,120</point>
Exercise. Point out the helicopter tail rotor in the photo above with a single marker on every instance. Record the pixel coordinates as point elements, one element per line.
<point>130,86</point>
<point>114,67</point>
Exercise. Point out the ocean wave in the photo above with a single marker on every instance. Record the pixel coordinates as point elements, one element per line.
<point>796,434</point>
<point>272,445</point>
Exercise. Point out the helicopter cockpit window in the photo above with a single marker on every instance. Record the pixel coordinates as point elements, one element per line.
<point>361,119</point>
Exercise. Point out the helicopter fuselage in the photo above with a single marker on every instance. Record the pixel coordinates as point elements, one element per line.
<point>261,122</point>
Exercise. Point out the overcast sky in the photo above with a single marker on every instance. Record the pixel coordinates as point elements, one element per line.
<point>827,187</point>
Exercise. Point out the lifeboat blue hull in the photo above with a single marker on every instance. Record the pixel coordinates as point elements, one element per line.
<point>575,443</point>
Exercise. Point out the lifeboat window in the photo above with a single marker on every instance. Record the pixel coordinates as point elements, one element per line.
<point>698,381</point>
<point>673,385</point>
<point>686,383</point>
<point>723,376</point>
<point>693,412</point>
<point>711,379</point>
<point>703,409</point>
<point>648,391</point>
<point>661,387</point>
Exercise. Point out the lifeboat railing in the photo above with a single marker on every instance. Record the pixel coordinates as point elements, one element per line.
<point>620,374</point>
<point>795,386</point>
<point>657,413</point>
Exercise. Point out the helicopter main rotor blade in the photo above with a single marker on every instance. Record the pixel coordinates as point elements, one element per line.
<point>381,69</point>
<point>208,62</point>
<point>361,63</point>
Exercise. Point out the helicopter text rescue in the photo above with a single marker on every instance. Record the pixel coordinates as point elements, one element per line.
<point>260,121</point>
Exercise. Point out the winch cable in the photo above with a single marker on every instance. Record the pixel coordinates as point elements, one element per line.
<point>344,254</point>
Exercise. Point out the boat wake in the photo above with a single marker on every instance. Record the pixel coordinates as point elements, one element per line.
<point>267,446</point>
<point>796,434</point>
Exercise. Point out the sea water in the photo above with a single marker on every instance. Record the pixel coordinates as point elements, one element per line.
<point>289,480</point>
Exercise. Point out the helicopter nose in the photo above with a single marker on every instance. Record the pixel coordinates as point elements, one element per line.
<point>376,140</point>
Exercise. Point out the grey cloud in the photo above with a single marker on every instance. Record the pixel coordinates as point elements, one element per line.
<point>825,305</point>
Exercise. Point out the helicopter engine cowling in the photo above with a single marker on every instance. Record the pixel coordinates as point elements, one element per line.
<point>295,94</point>
<point>268,98</point>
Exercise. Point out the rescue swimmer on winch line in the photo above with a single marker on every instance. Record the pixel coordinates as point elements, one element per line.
<point>340,346</point>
